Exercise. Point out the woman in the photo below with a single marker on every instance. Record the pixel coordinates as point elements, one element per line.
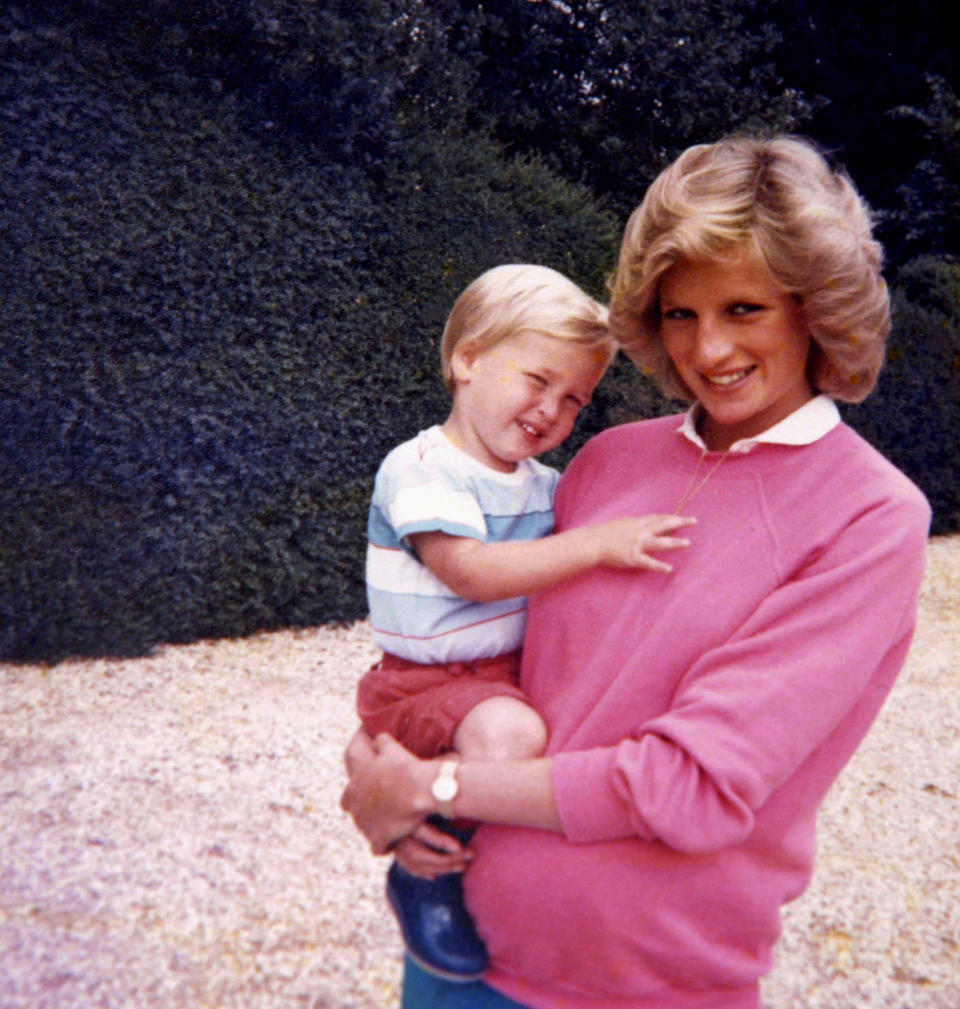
<point>697,720</point>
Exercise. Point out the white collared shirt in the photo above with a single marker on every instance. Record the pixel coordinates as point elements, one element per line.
<point>804,426</point>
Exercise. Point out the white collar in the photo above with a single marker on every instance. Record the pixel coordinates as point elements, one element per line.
<point>804,426</point>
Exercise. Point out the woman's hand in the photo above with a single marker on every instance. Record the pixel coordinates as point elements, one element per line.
<point>388,794</point>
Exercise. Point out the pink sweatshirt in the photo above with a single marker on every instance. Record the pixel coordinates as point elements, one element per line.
<point>697,718</point>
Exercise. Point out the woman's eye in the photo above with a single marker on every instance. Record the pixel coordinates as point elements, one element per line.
<point>745,308</point>
<point>678,314</point>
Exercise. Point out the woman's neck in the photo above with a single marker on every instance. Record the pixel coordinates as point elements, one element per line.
<point>719,436</point>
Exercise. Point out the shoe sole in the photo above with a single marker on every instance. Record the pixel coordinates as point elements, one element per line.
<point>437,972</point>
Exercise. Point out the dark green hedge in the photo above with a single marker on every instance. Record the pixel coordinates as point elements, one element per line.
<point>210,338</point>
<point>913,416</point>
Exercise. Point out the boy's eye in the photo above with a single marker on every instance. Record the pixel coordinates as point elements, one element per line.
<point>535,378</point>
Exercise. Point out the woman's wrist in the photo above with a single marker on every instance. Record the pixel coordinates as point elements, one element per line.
<point>515,792</point>
<point>425,801</point>
<point>445,787</point>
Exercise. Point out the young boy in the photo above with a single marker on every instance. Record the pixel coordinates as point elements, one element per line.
<point>459,533</point>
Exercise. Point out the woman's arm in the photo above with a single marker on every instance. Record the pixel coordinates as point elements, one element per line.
<point>790,692</point>
<point>484,572</point>
<point>389,792</point>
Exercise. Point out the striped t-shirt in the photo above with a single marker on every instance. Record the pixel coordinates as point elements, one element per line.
<point>427,484</point>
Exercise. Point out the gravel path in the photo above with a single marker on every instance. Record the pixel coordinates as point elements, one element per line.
<point>170,835</point>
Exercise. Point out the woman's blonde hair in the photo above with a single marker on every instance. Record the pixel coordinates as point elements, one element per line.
<point>807,222</point>
<point>520,297</point>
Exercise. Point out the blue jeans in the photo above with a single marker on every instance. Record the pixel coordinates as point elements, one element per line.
<point>426,991</point>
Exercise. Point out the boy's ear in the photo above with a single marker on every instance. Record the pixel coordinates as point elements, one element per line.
<point>461,361</point>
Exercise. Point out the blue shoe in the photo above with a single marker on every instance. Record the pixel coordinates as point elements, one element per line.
<point>439,933</point>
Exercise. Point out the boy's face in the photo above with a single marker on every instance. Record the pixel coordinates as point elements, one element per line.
<point>520,397</point>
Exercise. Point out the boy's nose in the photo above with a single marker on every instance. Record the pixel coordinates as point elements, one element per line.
<point>549,406</point>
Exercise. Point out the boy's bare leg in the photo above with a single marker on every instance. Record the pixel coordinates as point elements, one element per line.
<point>501,728</point>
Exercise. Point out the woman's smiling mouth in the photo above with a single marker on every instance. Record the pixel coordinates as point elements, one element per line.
<point>730,378</point>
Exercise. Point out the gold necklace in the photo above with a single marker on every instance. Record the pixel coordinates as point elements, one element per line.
<point>692,491</point>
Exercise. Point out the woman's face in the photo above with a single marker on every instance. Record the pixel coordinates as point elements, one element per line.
<point>739,342</point>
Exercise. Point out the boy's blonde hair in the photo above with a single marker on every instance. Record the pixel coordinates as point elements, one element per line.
<point>807,222</point>
<point>517,298</point>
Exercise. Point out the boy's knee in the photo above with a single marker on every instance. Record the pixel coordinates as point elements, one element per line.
<point>501,728</point>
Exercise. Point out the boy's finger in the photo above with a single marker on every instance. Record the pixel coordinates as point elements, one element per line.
<point>651,564</point>
<point>437,839</point>
<point>670,543</point>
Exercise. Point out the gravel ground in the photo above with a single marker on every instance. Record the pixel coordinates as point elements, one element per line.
<point>171,836</point>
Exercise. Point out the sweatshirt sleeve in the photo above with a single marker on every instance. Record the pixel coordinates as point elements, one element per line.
<point>807,671</point>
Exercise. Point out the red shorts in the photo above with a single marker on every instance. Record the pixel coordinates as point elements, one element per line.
<point>421,706</point>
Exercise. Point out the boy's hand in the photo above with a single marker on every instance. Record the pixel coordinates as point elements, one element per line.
<point>627,543</point>
<point>430,853</point>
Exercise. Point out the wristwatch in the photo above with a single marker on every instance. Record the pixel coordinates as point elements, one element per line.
<point>445,788</point>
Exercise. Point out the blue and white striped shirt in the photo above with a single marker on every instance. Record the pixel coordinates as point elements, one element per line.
<point>428,484</point>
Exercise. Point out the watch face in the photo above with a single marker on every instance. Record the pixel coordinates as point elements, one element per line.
<point>444,789</point>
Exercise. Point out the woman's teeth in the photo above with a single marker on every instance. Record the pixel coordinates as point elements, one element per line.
<point>727,379</point>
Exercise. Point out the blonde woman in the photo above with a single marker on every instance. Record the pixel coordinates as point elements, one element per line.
<point>694,727</point>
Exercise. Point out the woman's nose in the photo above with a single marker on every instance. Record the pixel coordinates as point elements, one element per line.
<point>712,343</point>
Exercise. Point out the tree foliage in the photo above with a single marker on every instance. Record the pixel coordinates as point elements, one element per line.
<point>929,216</point>
<point>858,63</point>
<point>611,91</point>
